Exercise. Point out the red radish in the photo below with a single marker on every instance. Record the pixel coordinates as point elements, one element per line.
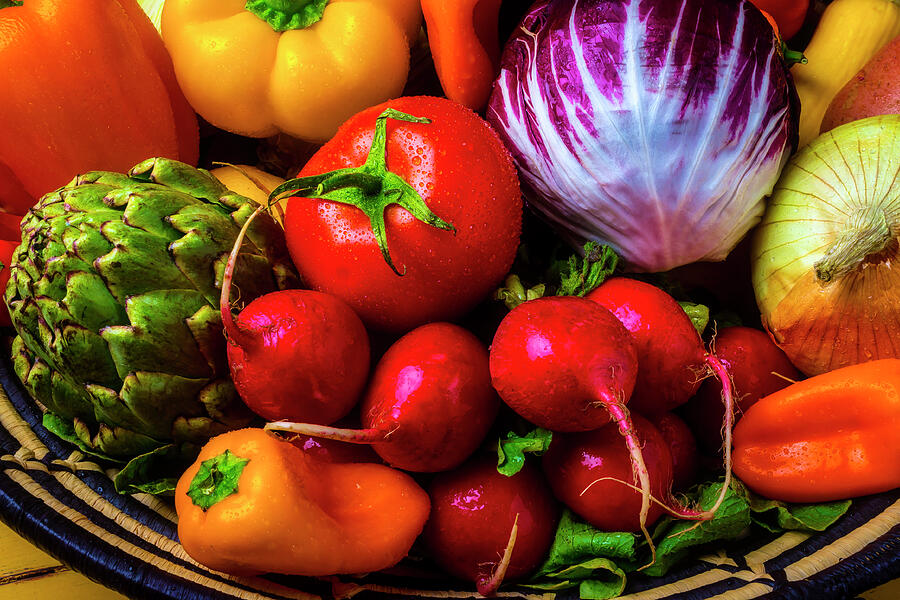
<point>429,404</point>
<point>562,362</point>
<point>758,368</point>
<point>473,510</point>
<point>586,471</point>
<point>683,447</point>
<point>672,359</point>
<point>671,355</point>
<point>567,364</point>
<point>294,354</point>
<point>334,451</point>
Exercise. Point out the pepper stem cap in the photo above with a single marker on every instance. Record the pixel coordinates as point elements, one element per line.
<point>284,15</point>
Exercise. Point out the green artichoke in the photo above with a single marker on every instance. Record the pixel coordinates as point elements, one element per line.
<point>114,294</point>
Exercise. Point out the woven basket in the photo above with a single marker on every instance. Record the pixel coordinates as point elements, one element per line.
<point>66,505</point>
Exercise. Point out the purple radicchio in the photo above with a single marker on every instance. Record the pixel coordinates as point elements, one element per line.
<point>654,126</point>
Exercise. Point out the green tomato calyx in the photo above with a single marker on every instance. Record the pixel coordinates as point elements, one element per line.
<point>370,187</point>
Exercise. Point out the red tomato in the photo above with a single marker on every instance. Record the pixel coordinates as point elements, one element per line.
<point>462,172</point>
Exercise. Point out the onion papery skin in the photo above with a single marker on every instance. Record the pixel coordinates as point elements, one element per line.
<point>845,177</point>
<point>654,126</point>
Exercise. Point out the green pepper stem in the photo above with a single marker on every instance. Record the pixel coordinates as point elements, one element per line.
<point>216,479</point>
<point>284,15</point>
<point>9,3</point>
<point>792,57</point>
<point>867,234</point>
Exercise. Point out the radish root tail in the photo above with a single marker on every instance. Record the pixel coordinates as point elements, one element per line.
<point>353,436</point>
<point>487,586</point>
<point>230,327</point>
<point>620,415</point>
<point>724,376</point>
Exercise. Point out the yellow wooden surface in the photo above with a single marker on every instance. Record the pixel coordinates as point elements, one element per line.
<point>27,573</point>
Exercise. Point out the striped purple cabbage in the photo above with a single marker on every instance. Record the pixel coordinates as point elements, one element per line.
<point>655,126</point>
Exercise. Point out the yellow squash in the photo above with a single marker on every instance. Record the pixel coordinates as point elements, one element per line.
<point>849,33</point>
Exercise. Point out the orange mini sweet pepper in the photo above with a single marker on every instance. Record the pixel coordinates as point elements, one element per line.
<point>464,40</point>
<point>830,437</point>
<point>300,67</point>
<point>788,14</point>
<point>88,85</point>
<point>254,503</point>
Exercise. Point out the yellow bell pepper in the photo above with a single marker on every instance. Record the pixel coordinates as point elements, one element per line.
<point>300,67</point>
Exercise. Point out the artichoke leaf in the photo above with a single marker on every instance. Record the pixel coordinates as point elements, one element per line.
<point>58,392</point>
<point>81,353</point>
<point>158,339</point>
<point>109,443</point>
<point>226,411</point>
<point>65,429</point>
<point>86,243</point>
<point>144,403</point>
<point>206,328</point>
<point>148,209</point>
<point>37,332</point>
<point>84,202</point>
<point>156,471</point>
<point>110,179</point>
<point>89,303</point>
<point>178,176</point>
<point>65,397</point>
<point>207,237</point>
<point>139,262</point>
<point>245,284</point>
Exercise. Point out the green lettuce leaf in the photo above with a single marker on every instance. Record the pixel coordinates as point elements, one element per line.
<point>598,562</point>
<point>680,537</point>
<point>511,451</point>
<point>698,314</point>
<point>580,275</point>
<point>776,516</point>
<point>585,557</point>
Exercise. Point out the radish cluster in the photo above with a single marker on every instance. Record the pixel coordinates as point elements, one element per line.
<point>572,364</point>
<point>602,372</point>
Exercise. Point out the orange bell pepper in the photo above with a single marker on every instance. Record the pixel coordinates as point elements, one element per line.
<point>255,503</point>
<point>88,86</point>
<point>10,237</point>
<point>464,40</point>
<point>789,14</point>
<point>830,437</point>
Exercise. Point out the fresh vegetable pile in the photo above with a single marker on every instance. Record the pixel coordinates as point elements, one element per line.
<point>370,285</point>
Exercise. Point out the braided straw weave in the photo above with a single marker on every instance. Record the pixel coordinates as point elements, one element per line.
<point>66,505</point>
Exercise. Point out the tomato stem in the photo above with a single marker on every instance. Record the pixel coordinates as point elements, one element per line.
<point>370,187</point>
